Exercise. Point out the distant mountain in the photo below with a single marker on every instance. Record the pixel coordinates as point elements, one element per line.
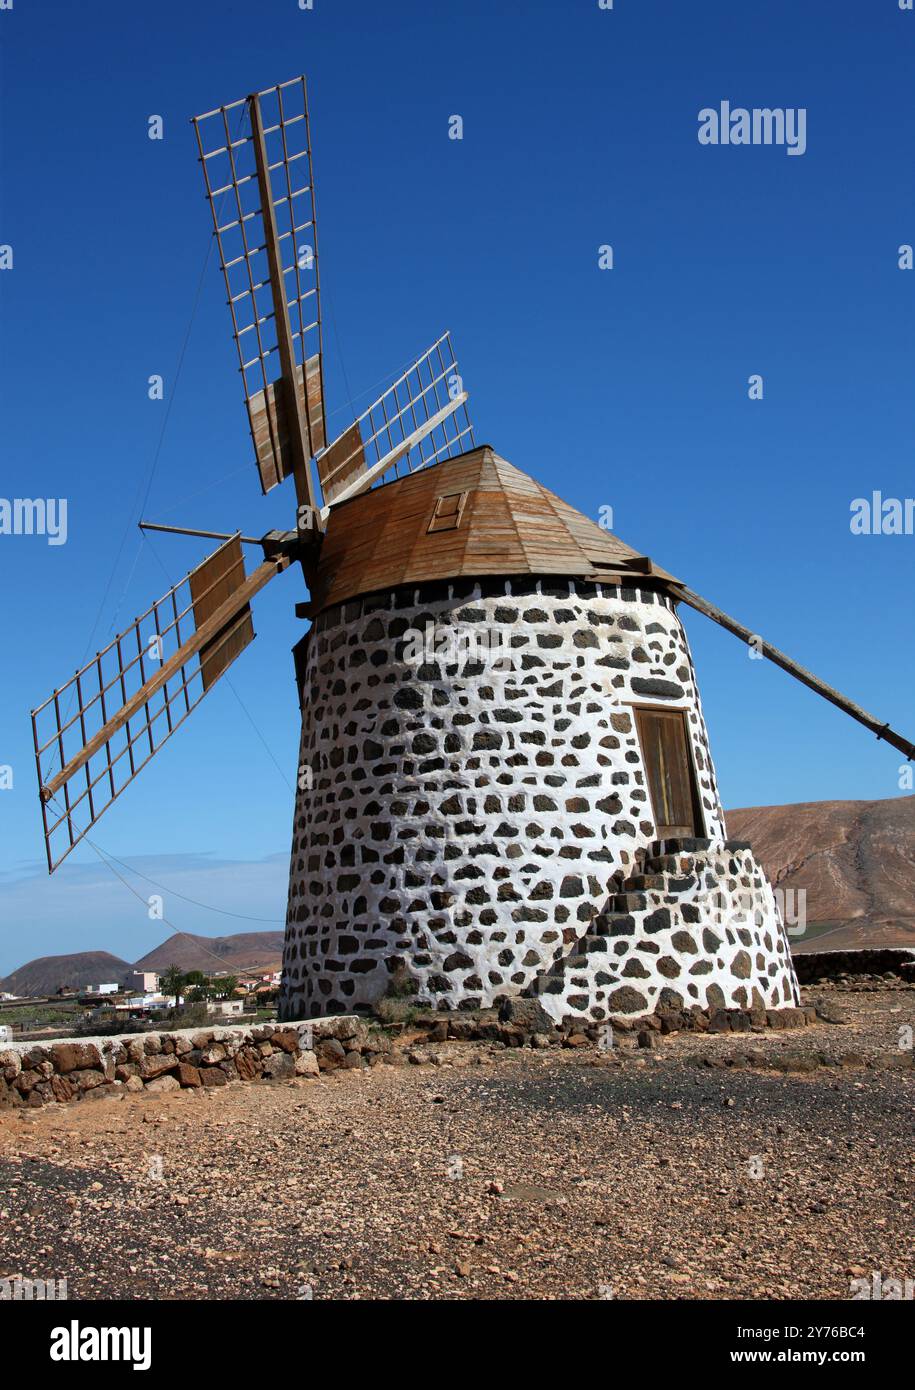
<point>47,974</point>
<point>257,951</point>
<point>249,950</point>
<point>856,860</point>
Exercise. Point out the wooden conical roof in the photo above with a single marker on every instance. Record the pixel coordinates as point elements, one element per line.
<point>508,525</point>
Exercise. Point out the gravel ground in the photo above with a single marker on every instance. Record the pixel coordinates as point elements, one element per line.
<point>692,1170</point>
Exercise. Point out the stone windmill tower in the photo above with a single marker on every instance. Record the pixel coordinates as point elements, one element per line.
<point>508,781</point>
<point>504,781</point>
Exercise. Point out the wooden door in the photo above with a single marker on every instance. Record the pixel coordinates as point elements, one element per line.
<point>664,738</point>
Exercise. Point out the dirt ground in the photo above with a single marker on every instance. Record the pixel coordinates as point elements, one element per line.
<point>769,1166</point>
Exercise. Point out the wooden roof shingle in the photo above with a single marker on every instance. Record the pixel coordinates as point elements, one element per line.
<point>510,525</point>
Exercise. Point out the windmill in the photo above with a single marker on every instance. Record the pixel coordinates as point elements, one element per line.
<point>504,781</point>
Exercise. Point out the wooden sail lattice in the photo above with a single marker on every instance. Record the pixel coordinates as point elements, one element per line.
<point>256,158</point>
<point>420,419</point>
<point>96,732</point>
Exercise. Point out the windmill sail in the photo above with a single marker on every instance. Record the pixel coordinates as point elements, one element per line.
<point>763,648</point>
<point>256,158</point>
<point>420,419</point>
<point>98,730</point>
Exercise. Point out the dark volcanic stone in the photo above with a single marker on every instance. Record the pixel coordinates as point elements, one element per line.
<point>626,1000</point>
<point>653,685</point>
<point>526,1014</point>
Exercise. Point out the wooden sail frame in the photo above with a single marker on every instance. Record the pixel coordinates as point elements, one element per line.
<point>272,280</point>
<point>419,420</point>
<point>103,725</point>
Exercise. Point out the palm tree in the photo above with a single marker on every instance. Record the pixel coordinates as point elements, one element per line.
<point>173,982</point>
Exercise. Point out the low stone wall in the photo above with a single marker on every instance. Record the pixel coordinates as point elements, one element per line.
<point>811,966</point>
<point>68,1069</point>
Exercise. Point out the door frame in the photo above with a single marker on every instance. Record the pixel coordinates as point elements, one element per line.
<point>683,711</point>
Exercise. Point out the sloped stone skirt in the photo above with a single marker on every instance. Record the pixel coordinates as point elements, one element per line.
<point>471,788</point>
<point>707,932</point>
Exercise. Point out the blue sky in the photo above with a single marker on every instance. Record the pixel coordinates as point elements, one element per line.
<point>625,387</point>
